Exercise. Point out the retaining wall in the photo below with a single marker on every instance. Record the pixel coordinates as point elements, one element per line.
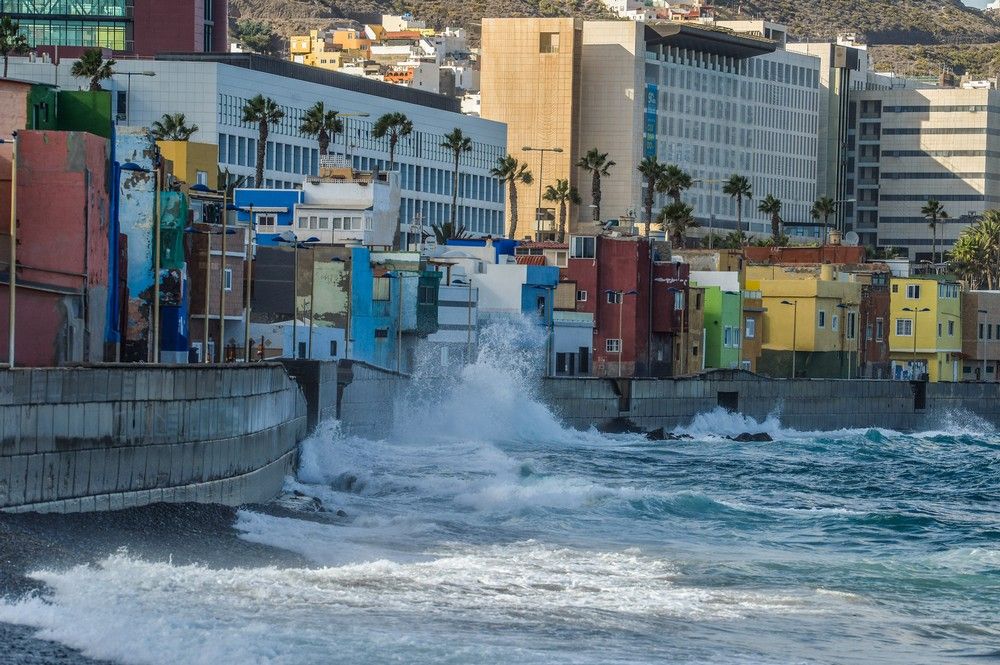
<point>368,397</point>
<point>807,404</point>
<point>77,439</point>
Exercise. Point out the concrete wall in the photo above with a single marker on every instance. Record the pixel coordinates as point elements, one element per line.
<point>79,439</point>
<point>367,398</point>
<point>806,404</point>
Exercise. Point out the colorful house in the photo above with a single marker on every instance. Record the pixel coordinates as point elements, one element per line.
<point>925,334</point>
<point>722,328</point>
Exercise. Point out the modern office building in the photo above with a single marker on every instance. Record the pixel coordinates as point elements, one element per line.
<point>211,90</point>
<point>713,101</point>
<point>132,27</point>
<point>920,144</point>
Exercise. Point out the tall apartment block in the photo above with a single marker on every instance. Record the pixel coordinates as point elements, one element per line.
<point>920,144</point>
<point>714,101</point>
<point>127,27</point>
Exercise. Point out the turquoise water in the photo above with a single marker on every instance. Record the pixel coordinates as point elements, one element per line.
<point>473,539</point>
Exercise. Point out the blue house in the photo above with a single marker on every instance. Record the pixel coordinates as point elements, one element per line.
<point>273,211</point>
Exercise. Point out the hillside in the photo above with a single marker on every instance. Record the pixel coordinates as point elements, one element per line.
<point>976,60</point>
<point>293,16</point>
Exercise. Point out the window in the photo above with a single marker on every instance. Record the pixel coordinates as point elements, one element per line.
<point>989,332</point>
<point>201,177</point>
<point>333,347</point>
<point>561,259</point>
<point>548,42</point>
<point>679,300</point>
<point>380,288</point>
<point>751,328</point>
<point>697,300</point>
<point>895,288</point>
<point>613,346</point>
<point>303,222</point>
<point>266,221</point>
<point>302,349</point>
<point>981,331</point>
<point>852,323</point>
<point>614,297</point>
<point>728,335</point>
<point>998,331</point>
<point>584,360</point>
<point>951,329</point>
<point>381,333</point>
<point>835,323</point>
<point>581,296</point>
<point>822,319</point>
<point>879,330</point>
<point>939,329</point>
<point>583,247</point>
<point>227,278</point>
<point>427,295</point>
<point>904,327</point>
<point>913,291</point>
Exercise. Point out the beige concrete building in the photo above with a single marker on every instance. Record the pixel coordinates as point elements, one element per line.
<point>918,144</point>
<point>531,80</point>
<point>981,336</point>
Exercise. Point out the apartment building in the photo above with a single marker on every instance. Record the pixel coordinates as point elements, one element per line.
<point>925,337</point>
<point>713,101</point>
<point>211,90</point>
<point>920,144</point>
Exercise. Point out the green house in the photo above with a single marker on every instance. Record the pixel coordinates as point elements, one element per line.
<point>723,310</point>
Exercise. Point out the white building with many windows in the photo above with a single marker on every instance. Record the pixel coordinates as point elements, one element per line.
<point>211,90</point>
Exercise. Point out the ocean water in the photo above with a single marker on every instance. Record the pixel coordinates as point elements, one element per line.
<point>495,535</point>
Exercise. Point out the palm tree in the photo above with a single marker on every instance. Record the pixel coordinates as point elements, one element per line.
<point>772,206</point>
<point>976,254</point>
<point>458,143</point>
<point>263,111</point>
<point>738,187</point>
<point>933,212</point>
<point>597,164</point>
<point>677,218</point>
<point>12,42</point>
<point>446,231</point>
<point>323,124</point>
<point>652,170</point>
<point>92,65</point>
<point>674,181</point>
<point>823,208</point>
<point>562,194</point>
<point>172,127</point>
<point>395,126</point>
<point>512,172</point>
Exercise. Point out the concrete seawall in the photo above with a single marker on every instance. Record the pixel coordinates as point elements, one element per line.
<point>79,439</point>
<point>806,404</point>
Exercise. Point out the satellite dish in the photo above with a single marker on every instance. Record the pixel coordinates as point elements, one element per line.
<point>851,239</point>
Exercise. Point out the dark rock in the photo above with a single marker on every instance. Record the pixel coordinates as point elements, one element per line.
<point>659,434</point>
<point>747,437</point>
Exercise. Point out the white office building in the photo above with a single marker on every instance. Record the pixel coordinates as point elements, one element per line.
<point>211,90</point>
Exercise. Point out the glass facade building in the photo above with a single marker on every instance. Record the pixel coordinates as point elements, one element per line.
<point>89,23</point>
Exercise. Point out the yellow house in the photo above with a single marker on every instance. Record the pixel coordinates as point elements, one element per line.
<point>925,329</point>
<point>193,162</point>
<point>328,50</point>
<point>810,322</point>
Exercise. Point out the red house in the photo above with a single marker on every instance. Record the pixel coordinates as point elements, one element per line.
<point>637,298</point>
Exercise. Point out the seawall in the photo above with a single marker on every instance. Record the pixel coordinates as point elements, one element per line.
<point>805,404</point>
<point>108,437</point>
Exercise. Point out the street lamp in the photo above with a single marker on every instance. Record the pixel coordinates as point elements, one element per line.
<point>795,328</point>
<point>347,133</point>
<point>541,175</point>
<point>982,339</point>
<point>208,280</point>
<point>847,322</point>
<point>128,89</point>
<point>12,267</point>
<point>135,168</point>
<point>915,311</point>
<point>290,238</point>
<point>620,299</point>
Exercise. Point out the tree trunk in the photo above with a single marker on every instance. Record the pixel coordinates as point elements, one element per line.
<point>262,131</point>
<point>775,227</point>
<point>739,217</point>
<point>512,229</point>
<point>5,59</point>
<point>392,150</point>
<point>95,84</point>
<point>648,202</point>
<point>454,193</point>
<point>595,194</point>
<point>562,221</point>
<point>324,142</point>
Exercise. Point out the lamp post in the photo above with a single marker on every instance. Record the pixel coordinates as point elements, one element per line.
<point>12,265</point>
<point>128,89</point>
<point>620,299</point>
<point>208,282</point>
<point>915,311</point>
<point>290,238</point>
<point>155,334</point>
<point>347,134</point>
<point>795,329</point>
<point>982,340</point>
<point>541,176</point>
